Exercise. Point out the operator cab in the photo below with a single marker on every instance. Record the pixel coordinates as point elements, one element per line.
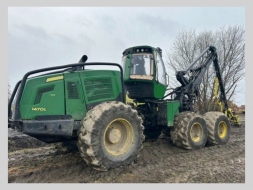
<point>142,66</point>
<point>144,72</point>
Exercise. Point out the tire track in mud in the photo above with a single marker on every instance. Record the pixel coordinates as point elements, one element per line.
<point>158,162</point>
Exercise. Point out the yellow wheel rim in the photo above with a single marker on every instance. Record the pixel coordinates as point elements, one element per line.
<point>118,137</point>
<point>196,132</point>
<point>222,130</point>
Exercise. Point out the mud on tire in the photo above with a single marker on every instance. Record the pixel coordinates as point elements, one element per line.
<point>189,131</point>
<point>111,135</point>
<point>218,127</point>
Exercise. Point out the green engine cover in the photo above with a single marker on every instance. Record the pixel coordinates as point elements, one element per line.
<point>69,93</point>
<point>43,95</point>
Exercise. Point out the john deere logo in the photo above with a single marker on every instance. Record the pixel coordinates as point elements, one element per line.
<point>38,109</point>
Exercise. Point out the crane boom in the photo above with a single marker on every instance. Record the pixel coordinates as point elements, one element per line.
<point>188,92</point>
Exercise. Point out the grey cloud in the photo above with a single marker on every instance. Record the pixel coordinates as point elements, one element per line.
<point>34,32</point>
<point>118,43</point>
<point>82,20</point>
<point>157,24</point>
<point>39,35</point>
<point>107,23</point>
<point>63,39</point>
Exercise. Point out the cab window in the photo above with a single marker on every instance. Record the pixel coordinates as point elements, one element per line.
<point>161,73</point>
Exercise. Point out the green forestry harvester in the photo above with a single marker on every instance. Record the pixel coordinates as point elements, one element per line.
<point>71,102</point>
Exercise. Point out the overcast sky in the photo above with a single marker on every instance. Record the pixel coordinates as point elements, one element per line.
<point>43,37</point>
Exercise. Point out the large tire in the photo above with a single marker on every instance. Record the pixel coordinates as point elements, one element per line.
<point>189,131</point>
<point>111,135</point>
<point>218,127</point>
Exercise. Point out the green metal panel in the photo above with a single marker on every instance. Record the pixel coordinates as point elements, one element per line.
<point>75,104</point>
<point>43,95</point>
<point>172,110</point>
<point>159,90</point>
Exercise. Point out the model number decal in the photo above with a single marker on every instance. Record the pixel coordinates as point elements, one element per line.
<point>38,109</point>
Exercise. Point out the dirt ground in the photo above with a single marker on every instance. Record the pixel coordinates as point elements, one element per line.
<point>31,161</point>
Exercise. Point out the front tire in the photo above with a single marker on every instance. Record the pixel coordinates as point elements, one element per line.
<point>189,131</point>
<point>219,128</point>
<point>111,136</point>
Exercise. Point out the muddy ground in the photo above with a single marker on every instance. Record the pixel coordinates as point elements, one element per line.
<point>31,161</point>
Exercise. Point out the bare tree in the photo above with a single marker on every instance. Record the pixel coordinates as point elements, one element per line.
<point>230,44</point>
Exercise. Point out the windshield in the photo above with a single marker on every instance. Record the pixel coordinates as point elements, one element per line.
<point>142,64</point>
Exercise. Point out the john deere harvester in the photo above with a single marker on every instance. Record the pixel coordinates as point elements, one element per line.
<point>74,102</point>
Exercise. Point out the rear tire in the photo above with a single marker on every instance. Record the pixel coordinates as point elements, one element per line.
<point>111,136</point>
<point>218,127</point>
<point>189,131</point>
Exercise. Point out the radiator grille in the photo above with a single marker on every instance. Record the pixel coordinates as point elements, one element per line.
<point>98,89</point>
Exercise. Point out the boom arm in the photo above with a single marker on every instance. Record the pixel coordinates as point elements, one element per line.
<point>187,93</point>
<point>234,119</point>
